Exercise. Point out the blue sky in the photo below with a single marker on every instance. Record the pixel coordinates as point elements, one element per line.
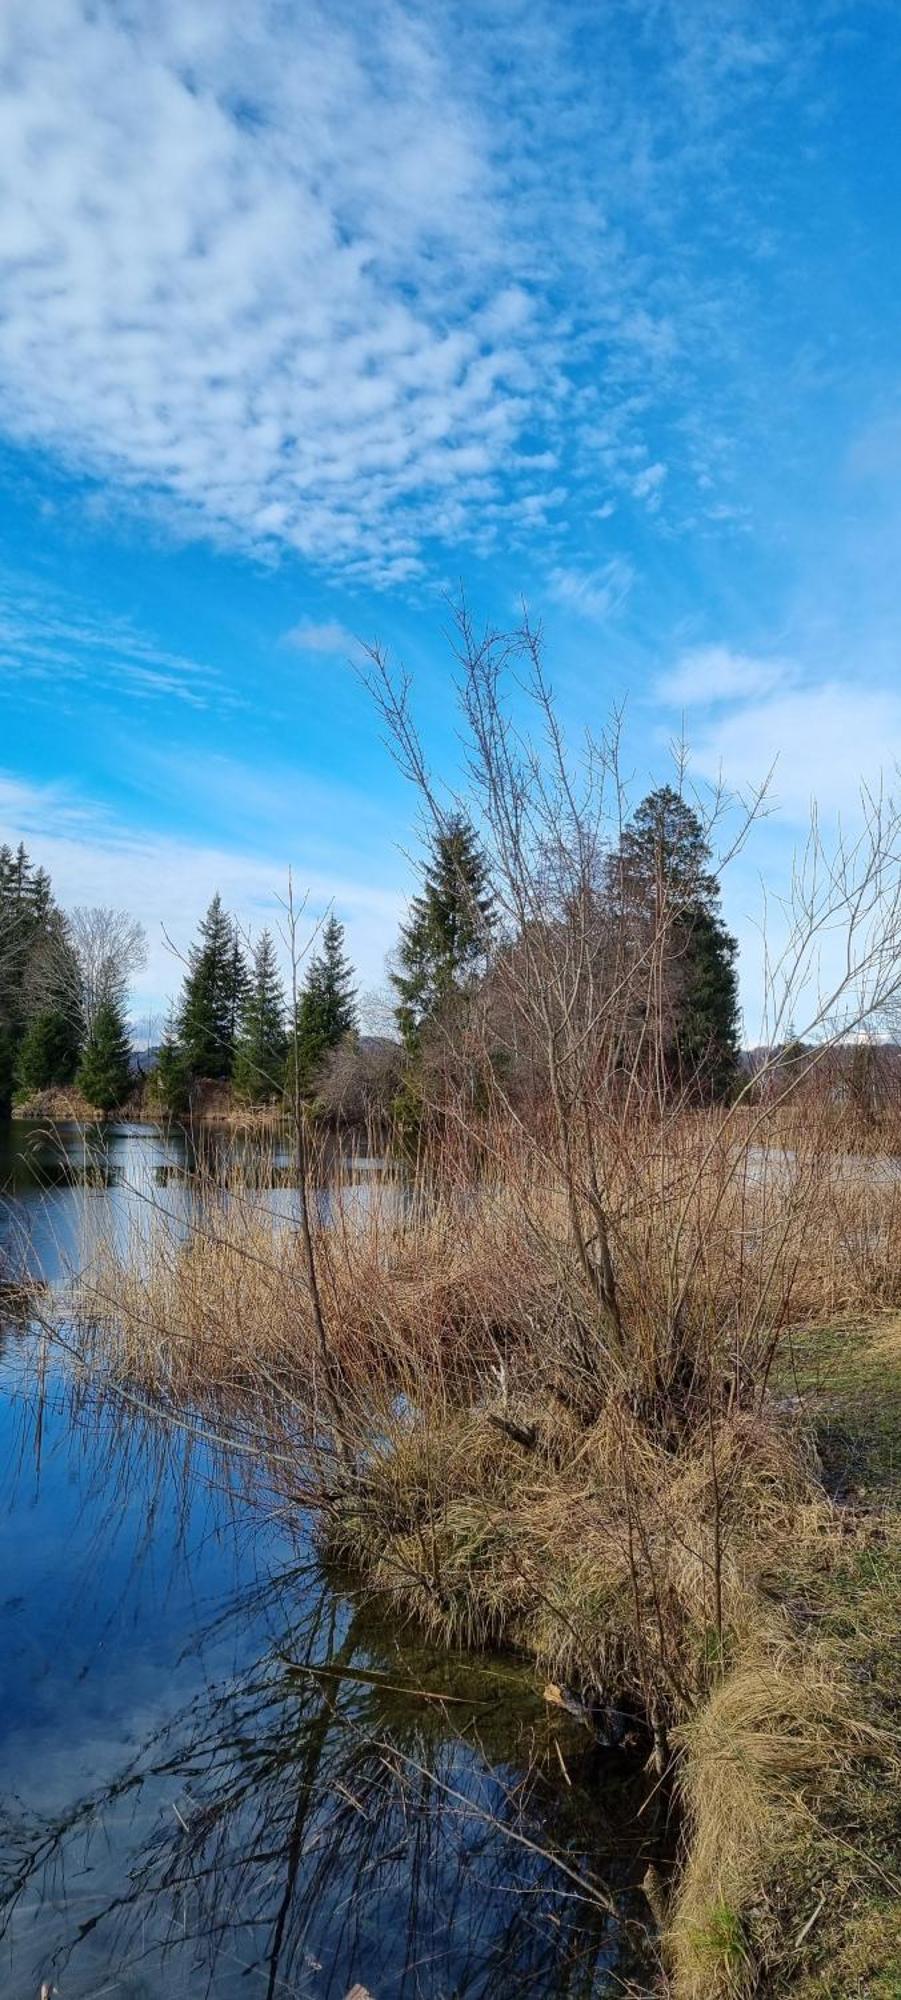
<point>309,312</point>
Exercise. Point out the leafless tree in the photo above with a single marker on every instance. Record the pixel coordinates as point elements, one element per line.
<point>108,946</point>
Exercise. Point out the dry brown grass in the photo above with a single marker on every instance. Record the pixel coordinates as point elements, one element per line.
<point>648,1522</point>
<point>721,1240</point>
<point>767,1754</point>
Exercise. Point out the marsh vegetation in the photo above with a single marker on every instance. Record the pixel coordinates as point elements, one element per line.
<point>575,1379</point>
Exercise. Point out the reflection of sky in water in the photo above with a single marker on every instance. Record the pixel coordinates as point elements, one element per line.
<point>112,1563</point>
<point>287,1832</point>
<point>65,1193</point>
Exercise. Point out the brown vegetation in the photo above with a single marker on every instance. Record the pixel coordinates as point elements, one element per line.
<point>547,1387</point>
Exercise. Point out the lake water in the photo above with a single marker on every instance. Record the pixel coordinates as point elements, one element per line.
<point>220,1772</point>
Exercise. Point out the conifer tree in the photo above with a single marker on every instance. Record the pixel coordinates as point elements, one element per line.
<point>239,984</point>
<point>104,1076</point>
<point>49,1051</point>
<point>262,1041</point>
<point>444,945</point>
<point>172,1076</point>
<point>661,886</point>
<point>208,1012</point>
<point>327,1007</point>
<point>38,972</point>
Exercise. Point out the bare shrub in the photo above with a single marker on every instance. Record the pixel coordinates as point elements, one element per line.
<point>359,1082</point>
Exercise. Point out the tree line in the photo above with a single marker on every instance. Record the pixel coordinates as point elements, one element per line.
<point>64,984</point>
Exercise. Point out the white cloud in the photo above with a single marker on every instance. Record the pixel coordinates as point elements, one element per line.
<point>706,675</point>
<point>598,593</point>
<point>225,248</point>
<point>825,740</point>
<point>340,279</point>
<point>92,857</point>
<point>330,638</point>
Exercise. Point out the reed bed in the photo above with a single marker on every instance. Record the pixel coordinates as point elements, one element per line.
<point>724,1243</point>
<point>641,1508</point>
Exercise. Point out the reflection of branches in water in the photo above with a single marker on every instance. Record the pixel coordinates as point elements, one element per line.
<point>319,1826</point>
<point>349,1808</point>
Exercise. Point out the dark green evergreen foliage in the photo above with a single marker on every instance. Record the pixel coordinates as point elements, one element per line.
<point>707,1033</point>
<point>327,1007</point>
<point>664,857</point>
<point>49,1051</point>
<point>262,1041</point>
<point>239,985</point>
<point>38,973</point>
<point>171,1088</point>
<point>104,1076</point>
<point>660,884</point>
<point>444,945</point>
<point>212,994</point>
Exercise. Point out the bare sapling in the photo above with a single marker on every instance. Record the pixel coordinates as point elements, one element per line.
<point>297,1106</point>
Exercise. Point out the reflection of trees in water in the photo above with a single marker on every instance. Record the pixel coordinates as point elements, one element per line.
<point>355,1810</point>
<point>352,1807</point>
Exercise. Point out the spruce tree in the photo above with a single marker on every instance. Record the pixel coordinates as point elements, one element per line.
<point>49,1051</point>
<point>444,945</point>
<point>38,973</point>
<point>208,1012</point>
<point>260,1050</point>
<point>707,1041</point>
<point>104,1076</point>
<point>660,886</point>
<point>172,1077</point>
<point>327,1007</point>
<point>239,984</point>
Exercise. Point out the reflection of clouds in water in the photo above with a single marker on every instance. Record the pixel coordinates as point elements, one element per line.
<point>116,1549</point>
<point>322,1821</point>
<point>179,1783</point>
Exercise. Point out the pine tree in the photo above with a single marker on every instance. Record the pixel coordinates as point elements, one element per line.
<point>262,1041</point>
<point>104,1076</point>
<point>208,1012</point>
<point>49,1051</point>
<point>327,1008</point>
<point>444,945</point>
<point>660,886</point>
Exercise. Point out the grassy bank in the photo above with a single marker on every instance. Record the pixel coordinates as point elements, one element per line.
<point>792,1875</point>
<point>686,1513</point>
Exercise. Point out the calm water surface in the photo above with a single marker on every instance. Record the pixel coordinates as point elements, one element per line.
<point>219,1772</point>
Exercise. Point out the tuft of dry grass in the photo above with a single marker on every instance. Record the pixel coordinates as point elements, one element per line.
<point>770,1752</point>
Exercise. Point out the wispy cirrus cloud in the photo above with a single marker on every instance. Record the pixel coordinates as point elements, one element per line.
<point>49,640</point>
<point>596,594</point>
